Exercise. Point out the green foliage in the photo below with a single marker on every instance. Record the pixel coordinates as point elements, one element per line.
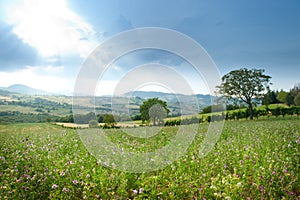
<point>185,121</point>
<point>219,107</point>
<point>291,97</point>
<point>252,159</point>
<point>93,123</point>
<point>269,98</point>
<point>109,121</point>
<point>9,117</point>
<point>281,96</point>
<point>246,85</point>
<point>297,99</point>
<point>66,119</point>
<point>84,118</point>
<point>154,109</point>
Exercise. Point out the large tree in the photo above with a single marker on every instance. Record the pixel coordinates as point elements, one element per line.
<point>153,109</point>
<point>245,85</point>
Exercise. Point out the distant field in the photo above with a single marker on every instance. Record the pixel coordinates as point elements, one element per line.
<point>252,159</point>
<point>21,109</point>
<point>121,124</point>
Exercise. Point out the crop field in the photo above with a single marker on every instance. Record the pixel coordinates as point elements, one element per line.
<point>257,159</point>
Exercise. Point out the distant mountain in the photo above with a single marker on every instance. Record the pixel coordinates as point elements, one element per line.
<point>203,99</point>
<point>149,95</point>
<point>23,89</point>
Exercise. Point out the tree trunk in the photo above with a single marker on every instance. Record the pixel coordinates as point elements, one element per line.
<point>250,109</point>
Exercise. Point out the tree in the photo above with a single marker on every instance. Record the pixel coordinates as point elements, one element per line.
<point>109,120</point>
<point>286,97</point>
<point>289,99</point>
<point>297,99</point>
<point>295,94</point>
<point>154,109</point>
<point>296,89</point>
<point>245,85</point>
<point>281,96</point>
<point>269,98</point>
<point>93,123</point>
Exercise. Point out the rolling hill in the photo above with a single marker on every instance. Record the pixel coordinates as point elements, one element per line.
<point>23,89</point>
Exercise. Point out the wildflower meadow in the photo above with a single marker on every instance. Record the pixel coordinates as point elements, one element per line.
<point>257,159</point>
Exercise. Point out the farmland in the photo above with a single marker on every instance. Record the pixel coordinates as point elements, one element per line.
<point>252,159</point>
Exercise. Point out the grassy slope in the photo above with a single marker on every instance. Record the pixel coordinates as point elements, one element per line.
<point>255,159</point>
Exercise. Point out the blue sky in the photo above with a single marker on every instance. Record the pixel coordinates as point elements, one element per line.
<point>45,43</point>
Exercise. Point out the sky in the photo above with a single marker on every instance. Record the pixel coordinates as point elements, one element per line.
<point>44,44</point>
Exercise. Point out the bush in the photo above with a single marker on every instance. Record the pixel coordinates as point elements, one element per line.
<point>93,123</point>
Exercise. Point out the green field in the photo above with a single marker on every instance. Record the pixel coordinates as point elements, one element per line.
<point>252,160</point>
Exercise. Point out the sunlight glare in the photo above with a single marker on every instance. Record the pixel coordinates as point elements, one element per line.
<point>51,27</point>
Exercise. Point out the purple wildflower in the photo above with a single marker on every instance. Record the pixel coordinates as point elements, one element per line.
<point>134,191</point>
<point>141,190</point>
<point>54,186</point>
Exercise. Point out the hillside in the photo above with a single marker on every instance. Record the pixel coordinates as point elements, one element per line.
<point>23,89</point>
<point>19,101</point>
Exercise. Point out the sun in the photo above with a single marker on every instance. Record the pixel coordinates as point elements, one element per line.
<point>50,26</point>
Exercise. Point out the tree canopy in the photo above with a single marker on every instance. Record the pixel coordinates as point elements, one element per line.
<point>109,120</point>
<point>245,85</point>
<point>290,98</point>
<point>154,109</point>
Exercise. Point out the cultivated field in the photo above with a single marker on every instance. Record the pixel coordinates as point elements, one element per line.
<point>252,160</point>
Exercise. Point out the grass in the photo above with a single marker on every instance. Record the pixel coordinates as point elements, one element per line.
<point>252,159</point>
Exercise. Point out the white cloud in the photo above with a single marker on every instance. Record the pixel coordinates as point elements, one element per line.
<point>31,76</point>
<point>105,87</point>
<point>53,70</point>
<point>51,27</point>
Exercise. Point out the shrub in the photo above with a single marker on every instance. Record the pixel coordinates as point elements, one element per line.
<point>93,123</point>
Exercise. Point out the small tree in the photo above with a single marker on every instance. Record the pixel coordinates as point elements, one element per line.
<point>245,85</point>
<point>109,120</point>
<point>154,109</point>
<point>93,123</point>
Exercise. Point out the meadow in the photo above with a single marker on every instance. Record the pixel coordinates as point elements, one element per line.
<point>256,159</point>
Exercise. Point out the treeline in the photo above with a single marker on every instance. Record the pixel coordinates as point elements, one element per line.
<point>237,115</point>
<point>185,121</point>
<point>8,117</point>
<point>86,118</point>
<point>220,108</point>
<point>289,98</point>
<point>278,111</point>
